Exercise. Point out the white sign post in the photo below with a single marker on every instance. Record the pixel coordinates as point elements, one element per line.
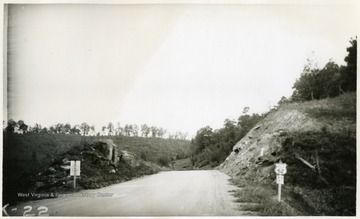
<point>75,170</point>
<point>280,170</point>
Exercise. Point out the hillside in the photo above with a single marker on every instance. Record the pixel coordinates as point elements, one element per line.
<point>317,140</point>
<point>26,155</point>
<point>156,150</point>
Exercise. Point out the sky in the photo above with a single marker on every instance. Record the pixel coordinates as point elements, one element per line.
<point>180,67</point>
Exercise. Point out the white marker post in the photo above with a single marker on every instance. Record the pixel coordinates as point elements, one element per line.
<point>280,170</point>
<point>75,170</point>
<point>262,152</point>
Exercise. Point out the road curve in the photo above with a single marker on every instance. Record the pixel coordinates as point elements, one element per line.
<point>175,193</point>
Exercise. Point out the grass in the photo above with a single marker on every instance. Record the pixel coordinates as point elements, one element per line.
<point>182,164</point>
<point>335,114</point>
<point>343,106</point>
<point>153,149</point>
<point>331,192</point>
<point>336,157</point>
<point>329,145</point>
<point>260,198</point>
<point>28,154</point>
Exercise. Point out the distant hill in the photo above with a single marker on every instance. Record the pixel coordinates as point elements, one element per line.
<point>317,140</point>
<point>157,150</point>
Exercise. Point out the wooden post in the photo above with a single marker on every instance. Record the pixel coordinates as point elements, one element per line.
<point>74,181</point>
<point>279,192</point>
<point>341,90</point>
<point>317,162</point>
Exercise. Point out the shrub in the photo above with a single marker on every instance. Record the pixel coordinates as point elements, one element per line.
<point>163,161</point>
<point>260,198</point>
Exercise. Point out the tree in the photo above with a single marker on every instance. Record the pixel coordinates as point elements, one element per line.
<point>119,129</point>
<point>305,86</point>
<point>318,83</point>
<point>85,128</point>
<point>203,139</point>
<point>131,130</point>
<point>127,130</point>
<point>67,128</point>
<point>135,130</point>
<point>37,128</point>
<point>22,126</point>
<point>59,128</point>
<point>145,130</point>
<point>44,130</point>
<point>211,147</point>
<point>11,126</point>
<point>103,130</point>
<point>247,122</point>
<point>161,132</point>
<point>75,130</point>
<point>329,80</point>
<point>348,73</point>
<point>52,129</point>
<point>110,128</point>
<point>171,136</point>
<point>92,129</point>
<point>154,131</point>
<point>178,135</point>
<point>283,101</point>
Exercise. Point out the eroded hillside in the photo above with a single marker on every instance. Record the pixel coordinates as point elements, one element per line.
<point>317,139</point>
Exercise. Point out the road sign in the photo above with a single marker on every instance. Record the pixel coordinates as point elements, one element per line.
<point>75,168</point>
<point>280,168</point>
<point>280,179</point>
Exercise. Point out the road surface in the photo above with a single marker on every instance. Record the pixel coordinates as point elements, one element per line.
<point>175,193</point>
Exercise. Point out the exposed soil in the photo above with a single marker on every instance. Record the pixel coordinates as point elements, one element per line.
<point>317,140</point>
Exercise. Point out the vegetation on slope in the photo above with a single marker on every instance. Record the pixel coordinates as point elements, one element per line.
<point>25,155</point>
<point>210,148</point>
<point>314,132</point>
<point>321,159</point>
<point>156,150</point>
<point>329,81</point>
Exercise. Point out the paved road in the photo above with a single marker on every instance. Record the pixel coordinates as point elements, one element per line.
<point>175,193</point>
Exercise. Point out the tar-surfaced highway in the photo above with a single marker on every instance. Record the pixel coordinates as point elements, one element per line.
<point>173,193</point>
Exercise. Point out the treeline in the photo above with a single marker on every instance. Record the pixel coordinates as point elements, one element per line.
<point>211,147</point>
<point>330,81</point>
<point>130,130</point>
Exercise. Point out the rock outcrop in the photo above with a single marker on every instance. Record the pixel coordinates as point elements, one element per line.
<point>108,149</point>
<point>317,141</point>
<point>102,164</point>
<point>262,143</point>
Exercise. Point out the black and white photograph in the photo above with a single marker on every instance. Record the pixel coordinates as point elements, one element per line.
<point>153,108</point>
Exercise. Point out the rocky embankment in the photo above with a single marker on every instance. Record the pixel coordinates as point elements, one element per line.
<point>317,139</point>
<point>263,143</point>
<point>102,164</point>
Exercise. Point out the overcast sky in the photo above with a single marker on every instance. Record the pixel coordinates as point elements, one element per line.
<point>180,67</point>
